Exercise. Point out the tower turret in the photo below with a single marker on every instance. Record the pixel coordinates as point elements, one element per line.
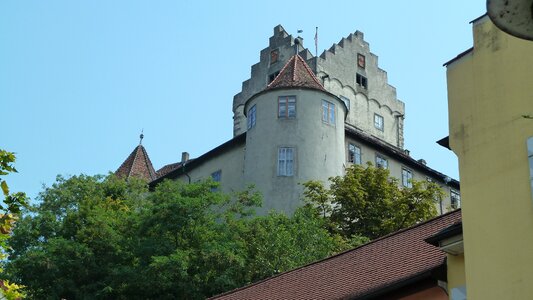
<point>293,120</point>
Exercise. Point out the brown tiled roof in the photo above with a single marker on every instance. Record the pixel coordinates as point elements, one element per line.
<point>137,164</point>
<point>169,168</point>
<point>363,271</point>
<point>295,73</point>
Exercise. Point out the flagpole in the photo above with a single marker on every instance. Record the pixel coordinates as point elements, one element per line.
<point>316,41</point>
<point>316,50</point>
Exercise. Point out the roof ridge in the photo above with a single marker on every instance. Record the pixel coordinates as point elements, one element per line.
<point>148,163</point>
<point>136,150</point>
<point>306,66</point>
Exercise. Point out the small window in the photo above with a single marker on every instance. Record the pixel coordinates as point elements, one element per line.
<point>328,112</point>
<point>216,176</point>
<point>346,101</point>
<point>251,117</point>
<point>361,61</point>
<point>272,76</point>
<point>407,178</point>
<point>287,107</point>
<point>285,161</point>
<point>361,80</point>
<point>455,199</point>
<point>354,154</point>
<point>381,162</point>
<point>378,122</point>
<point>274,55</point>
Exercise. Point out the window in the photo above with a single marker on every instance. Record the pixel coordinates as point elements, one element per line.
<point>328,112</point>
<point>285,161</point>
<point>407,178</point>
<point>216,176</point>
<point>251,117</point>
<point>346,101</point>
<point>455,199</point>
<point>361,61</point>
<point>287,107</point>
<point>361,80</point>
<point>272,76</point>
<point>378,122</point>
<point>354,154</point>
<point>381,162</point>
<point>274,54</point>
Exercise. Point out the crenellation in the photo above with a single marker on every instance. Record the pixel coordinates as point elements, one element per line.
<point>341,73</point>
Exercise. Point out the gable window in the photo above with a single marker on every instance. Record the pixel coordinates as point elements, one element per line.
<point>328,112</point>
<point>361,80</point>
<point>274,54</point>
<point>251,117</point>
<point>361,61</point>
<point>354,154</point>
<point>285,161</point>
<point>407,178</point>
<point>272,76</point>
<point>381,162</point>
<point>287,107</point>
<point>378,122</point>
<point>455,199</point>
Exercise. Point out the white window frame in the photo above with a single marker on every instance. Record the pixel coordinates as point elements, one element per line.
<point>286,161</point>
<point>382,161</point>
<point>379,122</point>
<point>328,112</point>
<point>287,107</point>
<point>407,178</point>
<point>251,117</point>
<point>354,154</point>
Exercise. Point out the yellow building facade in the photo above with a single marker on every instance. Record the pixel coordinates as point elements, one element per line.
<point>490,99</point>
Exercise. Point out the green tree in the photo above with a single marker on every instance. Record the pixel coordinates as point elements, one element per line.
<point>367,202</point>
<point>105,238</point>
<point>12,204</point>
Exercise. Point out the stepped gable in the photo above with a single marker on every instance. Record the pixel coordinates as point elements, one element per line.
<point>137,164</point>
<point>365,272</point>
<point>296,73</point>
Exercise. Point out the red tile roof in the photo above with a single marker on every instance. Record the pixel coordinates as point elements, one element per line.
<point>137,164</point>
<point>359,272</point>
<point>295,73</point>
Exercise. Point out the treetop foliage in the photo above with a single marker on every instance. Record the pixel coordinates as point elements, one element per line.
<point>367,202</point>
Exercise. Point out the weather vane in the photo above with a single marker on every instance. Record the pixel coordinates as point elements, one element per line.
<point>141,137</point>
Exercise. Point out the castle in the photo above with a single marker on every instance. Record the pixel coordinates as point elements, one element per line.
<point>302,117</point>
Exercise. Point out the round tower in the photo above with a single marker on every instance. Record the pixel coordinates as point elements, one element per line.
<point>295,133</point>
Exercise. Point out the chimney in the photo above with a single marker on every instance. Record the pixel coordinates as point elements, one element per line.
<point>184,156</point>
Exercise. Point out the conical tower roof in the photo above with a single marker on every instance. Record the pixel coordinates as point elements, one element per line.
<point>296,73</point>
<point>137,164</point>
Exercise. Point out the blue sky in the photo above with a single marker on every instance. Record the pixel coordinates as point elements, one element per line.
<point>80,79</point>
